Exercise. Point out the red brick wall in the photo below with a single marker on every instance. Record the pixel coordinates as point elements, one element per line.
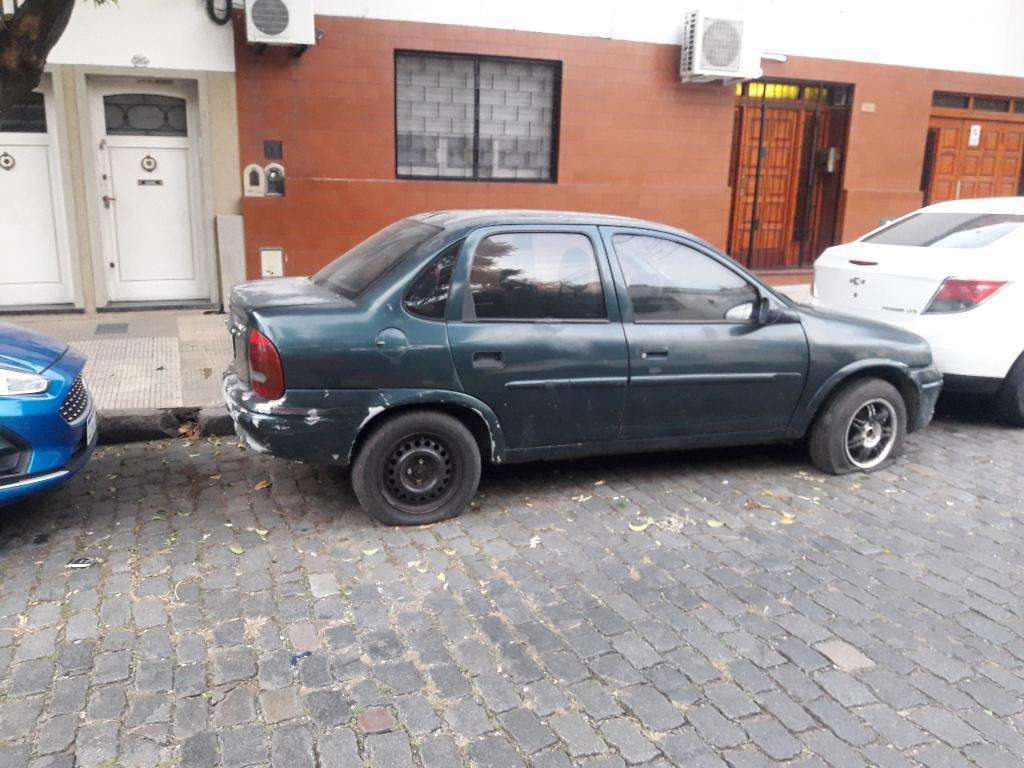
<point>633,141</point>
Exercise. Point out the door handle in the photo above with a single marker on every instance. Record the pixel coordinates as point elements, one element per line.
<point>485,360</point>
<point>658,353</point>
<point>107,200</point>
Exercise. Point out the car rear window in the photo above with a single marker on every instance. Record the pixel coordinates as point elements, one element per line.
<point>947,230</point>
<point>352,273</point>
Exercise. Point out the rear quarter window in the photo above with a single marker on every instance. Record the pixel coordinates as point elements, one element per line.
<point>948,230</point>
<point>355,270</point>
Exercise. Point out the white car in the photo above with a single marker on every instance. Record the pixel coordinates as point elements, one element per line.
<point>953,273</point>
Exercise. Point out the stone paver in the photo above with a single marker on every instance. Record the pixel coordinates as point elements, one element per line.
<point>879,621</point>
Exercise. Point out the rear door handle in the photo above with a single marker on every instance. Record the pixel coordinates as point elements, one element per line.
<point>485,360</point>
<point>657,353</point>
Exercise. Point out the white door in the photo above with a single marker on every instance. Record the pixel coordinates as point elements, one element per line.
<point>35,265</point>
<point>149,185</point>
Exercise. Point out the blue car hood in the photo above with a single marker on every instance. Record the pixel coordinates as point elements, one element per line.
<point>25,350</point>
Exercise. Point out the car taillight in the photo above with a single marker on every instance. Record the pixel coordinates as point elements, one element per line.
<point>961,295</point>
<point>265,370</point>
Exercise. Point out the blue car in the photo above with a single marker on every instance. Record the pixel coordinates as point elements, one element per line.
<point>47,418</point>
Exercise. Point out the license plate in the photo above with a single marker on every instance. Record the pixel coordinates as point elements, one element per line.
<point>90,428</point>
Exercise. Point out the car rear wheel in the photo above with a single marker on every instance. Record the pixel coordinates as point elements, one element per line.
<point>417,468</point>
<point>1010,400</point>
<point>860,429</point>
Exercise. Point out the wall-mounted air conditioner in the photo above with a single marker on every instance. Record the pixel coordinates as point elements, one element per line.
<point>280,22</point>
<point>717,48</point>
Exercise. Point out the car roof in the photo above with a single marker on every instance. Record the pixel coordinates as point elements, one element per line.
<point>980,205</point>
<point>471,218</point>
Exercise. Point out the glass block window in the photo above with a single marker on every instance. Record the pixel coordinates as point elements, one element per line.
<point>472,117</point>
<point>26,115</point>
<point>141,114</point>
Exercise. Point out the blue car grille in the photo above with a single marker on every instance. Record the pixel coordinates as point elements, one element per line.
<point>76,401</point>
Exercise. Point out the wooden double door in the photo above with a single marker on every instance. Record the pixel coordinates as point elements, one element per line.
<point>967,157</point>
<point>788,147</point>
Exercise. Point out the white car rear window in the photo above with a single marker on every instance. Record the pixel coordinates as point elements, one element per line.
<point>947,230</point>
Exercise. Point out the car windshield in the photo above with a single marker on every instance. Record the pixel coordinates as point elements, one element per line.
<point>351,273</point>
<point>948,230</point>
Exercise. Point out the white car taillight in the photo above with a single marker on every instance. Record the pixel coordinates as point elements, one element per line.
<point>961,295</point>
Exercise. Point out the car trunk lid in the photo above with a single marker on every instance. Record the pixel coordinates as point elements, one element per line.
<point>270,294</point>
<point>883,281</point>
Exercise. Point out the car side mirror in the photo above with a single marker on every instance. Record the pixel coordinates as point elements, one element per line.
<point>765,314</point>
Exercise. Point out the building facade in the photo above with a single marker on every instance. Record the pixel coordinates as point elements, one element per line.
<point>120,176</point>
<point>166,157</point>
<point>864,111</point>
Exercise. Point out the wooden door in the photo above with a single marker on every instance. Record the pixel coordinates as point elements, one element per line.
<point>989,168</point>
<point>785,174</point>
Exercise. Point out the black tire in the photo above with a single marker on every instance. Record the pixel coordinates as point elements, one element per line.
<point>1010,400</point>
<point>416,468</point>
<point>834,425</point>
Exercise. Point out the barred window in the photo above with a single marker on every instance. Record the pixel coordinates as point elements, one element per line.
<point>473,117</point>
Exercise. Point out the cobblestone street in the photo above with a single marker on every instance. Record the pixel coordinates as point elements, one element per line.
<point>706,609</point>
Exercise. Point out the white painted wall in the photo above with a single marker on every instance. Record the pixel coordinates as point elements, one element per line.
<point>979,36</point>
<point>169,34</point>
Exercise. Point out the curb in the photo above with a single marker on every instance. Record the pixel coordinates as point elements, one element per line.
<point>137,425</point>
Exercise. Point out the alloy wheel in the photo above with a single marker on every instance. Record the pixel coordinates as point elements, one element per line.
<point>871,434</point>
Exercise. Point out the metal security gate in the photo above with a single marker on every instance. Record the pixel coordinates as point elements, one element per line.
<point>788,147</point>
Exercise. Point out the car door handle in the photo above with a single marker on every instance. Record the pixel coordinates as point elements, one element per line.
<point>485,360</point>
<point>658,353</point>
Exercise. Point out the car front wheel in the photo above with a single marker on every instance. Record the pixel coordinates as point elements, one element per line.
<point>860,429</point>
<point>417,468</point>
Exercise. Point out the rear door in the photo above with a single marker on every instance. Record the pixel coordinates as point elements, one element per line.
<point>699,364</point>
<point>535,333</point>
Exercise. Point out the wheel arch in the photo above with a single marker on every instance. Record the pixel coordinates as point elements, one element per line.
<point>475,416</point>
<point>888,370</point>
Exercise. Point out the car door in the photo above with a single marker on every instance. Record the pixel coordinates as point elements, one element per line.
<point>700,363</point>
<point>535,333</point>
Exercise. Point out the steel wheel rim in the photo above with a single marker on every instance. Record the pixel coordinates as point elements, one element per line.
<point>420,473</point>
<point>871,433</point>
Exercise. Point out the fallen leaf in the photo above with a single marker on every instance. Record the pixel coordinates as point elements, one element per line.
<point>599,482</point>
<point>581,497</point>
<point>215,477</point>
<point>641,525</point>
<point>262,484</point>
<point>712,523</point>
<point>441,577</point>
<point>786,521</point>
<point>373,551</point>
<point>235,549</point>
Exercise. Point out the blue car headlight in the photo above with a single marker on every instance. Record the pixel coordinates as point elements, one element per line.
<point>18,383</point>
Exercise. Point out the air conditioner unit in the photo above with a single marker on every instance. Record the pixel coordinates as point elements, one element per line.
<point>716,48</point>
<point>280,22</point>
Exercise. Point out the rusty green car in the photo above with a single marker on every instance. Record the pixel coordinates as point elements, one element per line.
<point>453,338</point>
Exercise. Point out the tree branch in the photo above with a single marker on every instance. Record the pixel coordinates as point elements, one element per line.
<point>25,42</point>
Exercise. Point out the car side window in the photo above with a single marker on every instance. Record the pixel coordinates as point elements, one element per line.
<point>428,295</point>
<point>671,282</point>
<point>537,276</point>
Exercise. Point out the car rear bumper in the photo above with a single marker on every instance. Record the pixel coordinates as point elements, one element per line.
<point>316,426</point>
<point>53,447</point>
<point>955,337</point>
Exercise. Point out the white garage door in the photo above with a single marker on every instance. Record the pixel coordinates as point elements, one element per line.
<point>34,264</point>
